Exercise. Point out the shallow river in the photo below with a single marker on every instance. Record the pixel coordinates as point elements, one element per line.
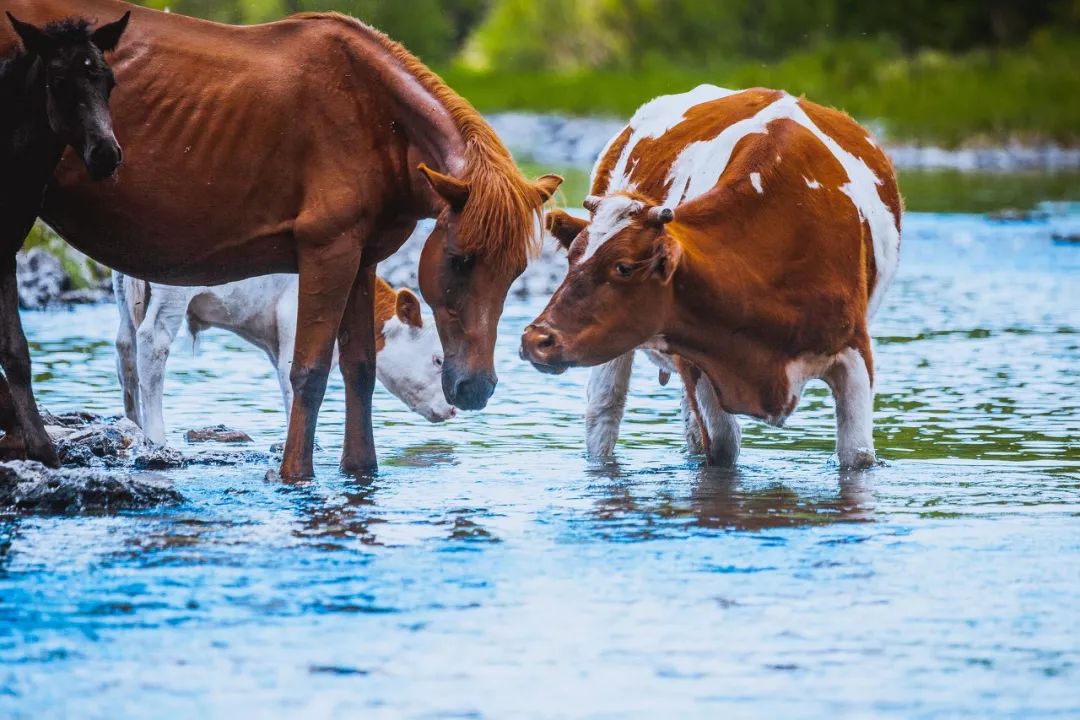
<point>491,571</point>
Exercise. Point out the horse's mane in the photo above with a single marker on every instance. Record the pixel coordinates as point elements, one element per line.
<point>501,219</point>
<point>70,31</point>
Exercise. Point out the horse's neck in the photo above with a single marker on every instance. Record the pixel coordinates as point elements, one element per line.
<point>28,145</point>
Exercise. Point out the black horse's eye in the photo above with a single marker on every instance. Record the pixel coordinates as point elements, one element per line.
<point>623,269</point>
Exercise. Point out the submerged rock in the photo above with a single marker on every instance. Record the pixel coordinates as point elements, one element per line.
<point>27,486</point>
<point>100,442</point>
<point>217,433</point>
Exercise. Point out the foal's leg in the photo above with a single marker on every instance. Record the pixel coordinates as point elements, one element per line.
<point>154,339</point>
<point>8,424</point>
<point>127,369</point>
<point>606,398</point>
<point>356,340</point>
<point>849,379</point>
<point>326,278</point>
<point>15,359</point>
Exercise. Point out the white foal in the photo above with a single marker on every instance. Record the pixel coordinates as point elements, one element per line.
<point>262,310</point>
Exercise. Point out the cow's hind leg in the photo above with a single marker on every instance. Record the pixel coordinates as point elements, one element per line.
<point>127,369</point>
<point>153,340</point>
<point>15,360</point>
<point>356,341</point>
<point>724,433</point>
<point>327,274</point>
<point>606,402</point>
<point>849,380</point>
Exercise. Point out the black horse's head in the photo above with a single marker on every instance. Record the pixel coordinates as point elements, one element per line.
<point>78,82</point>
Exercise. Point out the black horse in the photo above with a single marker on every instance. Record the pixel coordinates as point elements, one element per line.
<point>53,95</point>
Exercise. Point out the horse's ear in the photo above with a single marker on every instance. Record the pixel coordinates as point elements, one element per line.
<point>564,226</point>
<point>107,37</point>
<point>452,190</point>
<point>34,40</point>
<point>547,185</point>
<point>408,308</point>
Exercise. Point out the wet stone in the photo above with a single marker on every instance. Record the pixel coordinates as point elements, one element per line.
<point>30,487</point>
<point>217,433</point>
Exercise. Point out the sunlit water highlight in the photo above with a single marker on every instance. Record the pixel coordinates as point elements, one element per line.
<point>491,571</point>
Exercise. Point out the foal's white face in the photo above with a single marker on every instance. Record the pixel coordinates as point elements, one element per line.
<point>410,366</point>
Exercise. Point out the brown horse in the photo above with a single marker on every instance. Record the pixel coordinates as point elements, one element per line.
<point>310,145</point>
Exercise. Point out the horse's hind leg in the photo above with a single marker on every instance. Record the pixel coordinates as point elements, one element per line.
<point>15,359</point>
<point>326,279</point>
<point>849,379</point>
<point>606,402</point>
<point>356,340</point>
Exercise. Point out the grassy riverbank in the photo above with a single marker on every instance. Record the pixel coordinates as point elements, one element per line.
<point>1030,94</point>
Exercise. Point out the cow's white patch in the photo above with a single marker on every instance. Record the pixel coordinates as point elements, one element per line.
<point>812,184</point>
<point>700,165</point>
<point>606,401</point>
<point>755,180</point>
<point>410,366</point>
<point>611,217</point>
<point>654,119</point>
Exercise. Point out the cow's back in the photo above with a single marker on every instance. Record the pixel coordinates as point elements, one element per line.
<point>721,151</point>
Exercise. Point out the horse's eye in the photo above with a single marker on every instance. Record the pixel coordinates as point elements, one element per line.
<point>436,361</point>
<point>461,263</point>
<point>623,269</point>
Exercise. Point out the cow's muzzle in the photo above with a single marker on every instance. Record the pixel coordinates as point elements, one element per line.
<point>542,346</point>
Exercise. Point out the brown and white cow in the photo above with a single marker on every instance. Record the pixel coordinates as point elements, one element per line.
<point>744,237</point>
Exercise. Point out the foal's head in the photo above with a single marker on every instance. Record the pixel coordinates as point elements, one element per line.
<point>70,64</point>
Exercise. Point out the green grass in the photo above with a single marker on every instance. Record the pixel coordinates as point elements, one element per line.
<point>1031,93</point>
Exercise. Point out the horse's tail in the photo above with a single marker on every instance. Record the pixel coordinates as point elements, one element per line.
<point>137,295</point>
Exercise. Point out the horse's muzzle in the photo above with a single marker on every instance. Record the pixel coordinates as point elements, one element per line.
<point>469,391</point>
<point>103,158</point>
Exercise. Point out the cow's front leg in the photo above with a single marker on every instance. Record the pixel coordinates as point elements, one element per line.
<point>153,339</point>
<point>606,402</point>
<point>849,380</point>
<point>356,342</point>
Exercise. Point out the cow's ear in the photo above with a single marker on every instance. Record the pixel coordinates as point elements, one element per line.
<point>408,308</point>
<point>666,257</point>
<point>450,189</point>
<point>34,40</point>
<point>107,37</point>
<point>564,226</point>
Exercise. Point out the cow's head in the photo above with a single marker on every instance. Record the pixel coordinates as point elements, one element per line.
<point>618,290</point>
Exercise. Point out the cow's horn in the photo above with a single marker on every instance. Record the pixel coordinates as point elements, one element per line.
<point>660,216</point>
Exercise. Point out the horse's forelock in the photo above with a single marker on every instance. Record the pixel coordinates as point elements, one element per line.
<point>501,220</point>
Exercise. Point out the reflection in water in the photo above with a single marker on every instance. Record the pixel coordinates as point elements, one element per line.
<point>726,499</point>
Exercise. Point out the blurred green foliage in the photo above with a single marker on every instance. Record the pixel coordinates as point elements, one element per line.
<point>940,70</point>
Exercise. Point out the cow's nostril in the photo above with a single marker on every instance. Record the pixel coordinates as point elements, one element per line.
<point>547,340</point>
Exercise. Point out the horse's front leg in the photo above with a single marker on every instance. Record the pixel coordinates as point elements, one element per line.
<point>327,273</point>
<point>356,341</point>
<point>15,359</point>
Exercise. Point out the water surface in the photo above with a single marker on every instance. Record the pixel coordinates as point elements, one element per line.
<point>491,571</point>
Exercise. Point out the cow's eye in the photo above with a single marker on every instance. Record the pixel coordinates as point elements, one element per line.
<point>436,360</point>
<point>623,269</point>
